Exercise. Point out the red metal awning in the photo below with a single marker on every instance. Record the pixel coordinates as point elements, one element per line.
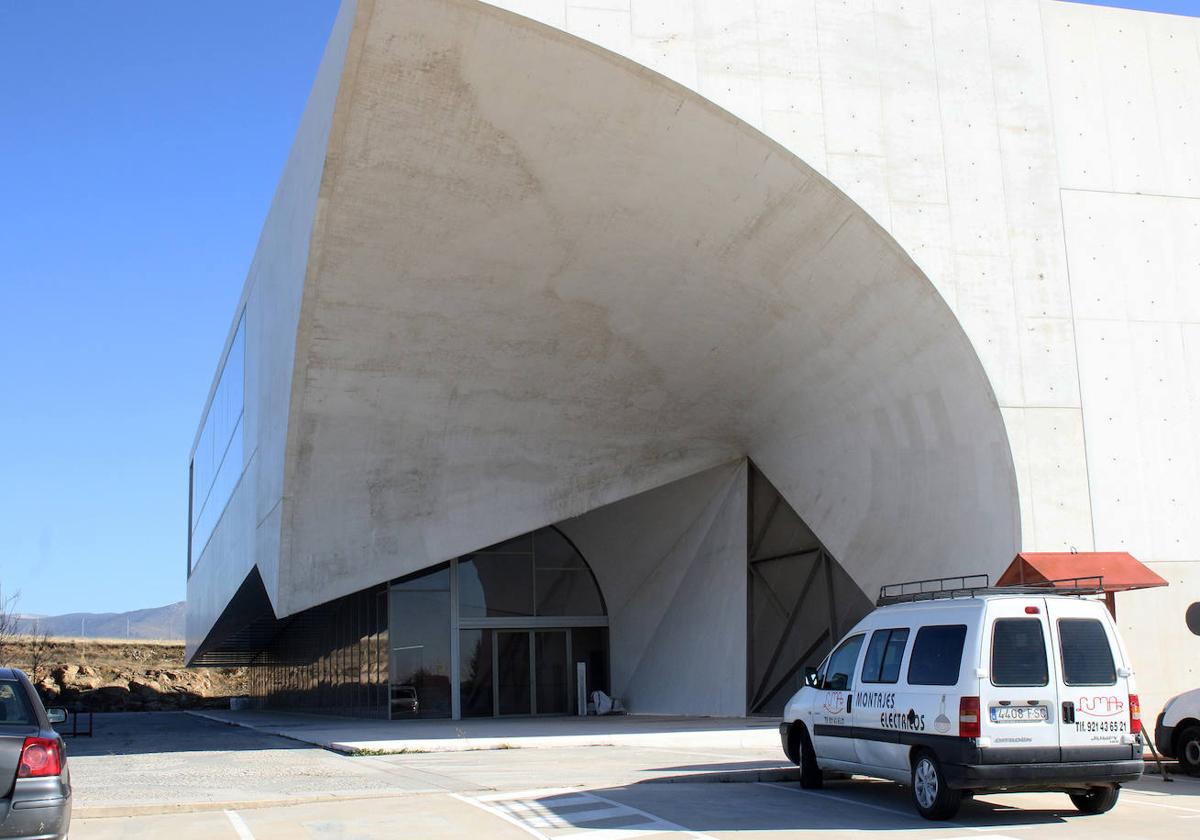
<point>1121,571</point>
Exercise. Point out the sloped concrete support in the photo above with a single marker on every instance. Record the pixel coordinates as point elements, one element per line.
<point>671,563</point>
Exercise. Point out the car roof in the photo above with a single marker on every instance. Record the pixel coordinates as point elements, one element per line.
<point>979,601</point>
<point>9,674</point>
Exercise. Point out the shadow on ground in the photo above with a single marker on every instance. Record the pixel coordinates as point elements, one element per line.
<point>138,733</point>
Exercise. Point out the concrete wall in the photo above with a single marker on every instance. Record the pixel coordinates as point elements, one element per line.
<point>1039,160</point>
<point>249,530</point>
<point>671,563</point>
<point>545,280</point>
<point>1126,93</point>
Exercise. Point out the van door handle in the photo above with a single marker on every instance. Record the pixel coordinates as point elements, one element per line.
<point>849,702</point>
<point>1068,709</point>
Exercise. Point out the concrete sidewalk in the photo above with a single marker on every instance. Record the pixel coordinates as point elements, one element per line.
<point>356,735</point>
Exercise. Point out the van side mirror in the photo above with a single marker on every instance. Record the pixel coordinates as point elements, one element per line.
<point>810,676</point>
<point>56,715</point>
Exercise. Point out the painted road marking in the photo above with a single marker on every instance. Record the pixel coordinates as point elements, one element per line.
<point>239,825</point>
<point>1134,801</point>
<point>565,813</point>
<point>897,813</point>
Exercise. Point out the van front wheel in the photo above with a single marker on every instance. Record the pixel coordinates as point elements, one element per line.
<point>1096,800</point>
<point>811,776</point>
<point>932,795</point>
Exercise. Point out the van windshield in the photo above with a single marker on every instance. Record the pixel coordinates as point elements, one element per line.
<point>1086,654</point>
<point>1019,653</point>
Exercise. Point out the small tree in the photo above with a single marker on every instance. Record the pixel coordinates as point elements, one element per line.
<point>39,656</point>
<point>8,624</point>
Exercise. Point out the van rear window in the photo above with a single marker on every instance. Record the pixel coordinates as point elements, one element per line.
<point>1086,654</point>
<point>1019,653</point>
<point>937,655</point>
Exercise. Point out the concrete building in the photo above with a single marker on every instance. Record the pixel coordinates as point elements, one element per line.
<point>656,335</point>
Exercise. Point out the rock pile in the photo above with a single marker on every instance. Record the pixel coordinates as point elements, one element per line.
<point>114,675</point>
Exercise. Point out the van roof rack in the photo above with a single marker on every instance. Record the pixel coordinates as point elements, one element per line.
<point>972,586</point>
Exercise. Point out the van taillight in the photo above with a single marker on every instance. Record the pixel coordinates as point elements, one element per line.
<point>968,717</point>
<point>39,757</point>
<point>1135,714</point>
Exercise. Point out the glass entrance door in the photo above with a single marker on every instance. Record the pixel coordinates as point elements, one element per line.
<point>552,673</point>
<point>514,695</point>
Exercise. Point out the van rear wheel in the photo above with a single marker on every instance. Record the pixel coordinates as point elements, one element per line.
<point>932,795</point>
<point>1096,800</point>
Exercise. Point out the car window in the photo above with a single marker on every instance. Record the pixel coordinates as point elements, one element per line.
<point>841,665</point>
<point>14,705</point>
<point>937,655</point>
<point>884,653</point>
<point>1019,653</point>
<point>1086,654</point>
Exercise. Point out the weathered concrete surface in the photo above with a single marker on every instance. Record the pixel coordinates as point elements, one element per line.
<point>248,532</point>
<point>1039,161</point>
<point>528,300</point>
<point>671,564</point>
<point>535,262</point>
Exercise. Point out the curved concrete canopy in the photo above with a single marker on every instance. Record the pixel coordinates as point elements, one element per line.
<point>543,278</point>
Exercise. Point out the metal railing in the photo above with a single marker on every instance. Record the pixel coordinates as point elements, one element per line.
<point>972,586</point>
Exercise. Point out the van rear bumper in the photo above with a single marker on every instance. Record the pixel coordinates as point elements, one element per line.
<point>1042,776</point>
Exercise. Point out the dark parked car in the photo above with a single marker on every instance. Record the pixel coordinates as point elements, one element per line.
<point>35,787</point>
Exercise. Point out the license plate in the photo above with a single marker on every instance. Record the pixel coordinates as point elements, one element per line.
<point>1019,714</point>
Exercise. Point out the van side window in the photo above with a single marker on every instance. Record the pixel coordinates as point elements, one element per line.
<point>884,653</point>
<point>1086,654</point>
<point>937,655</point>
<point>1019,653</point>
<point>838,674</point>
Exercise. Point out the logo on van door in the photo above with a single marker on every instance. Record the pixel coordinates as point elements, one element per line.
<point>835,702</point>
<point>1101,706</point>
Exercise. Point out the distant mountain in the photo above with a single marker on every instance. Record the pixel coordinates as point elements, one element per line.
<point>155,623</point>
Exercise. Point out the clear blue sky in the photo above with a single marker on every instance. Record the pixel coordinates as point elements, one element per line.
<point>140,145</point>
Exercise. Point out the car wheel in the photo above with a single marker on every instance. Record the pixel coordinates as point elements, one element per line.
<point>1187,749</point>
<point>1096,800</point>
<point>811,776</point>
<point>932,795</point>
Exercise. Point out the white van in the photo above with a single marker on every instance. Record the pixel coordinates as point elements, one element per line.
<point>956,689</point>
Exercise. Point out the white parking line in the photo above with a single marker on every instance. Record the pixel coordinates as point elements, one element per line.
<point>1135,801</point>
<point>896,813</point>
<point>533,811</point>
<point>844,801</point>
<point>239,825</point>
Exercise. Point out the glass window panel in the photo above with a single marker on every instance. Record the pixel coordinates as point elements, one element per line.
<point>1086,653</point>
<point>552,672</point>
<point>420,653</point>
<point>589,645</point>
<point>1019,653</point>
<point>495,585</point>
<point>840,671</point>
<point>475,673</point>
<point>219,459</point>
<point>565,585</point>
<point>937,655</point>
<point>513,691</point>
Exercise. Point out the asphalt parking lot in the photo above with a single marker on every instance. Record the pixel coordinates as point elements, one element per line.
<point>173,775</point>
